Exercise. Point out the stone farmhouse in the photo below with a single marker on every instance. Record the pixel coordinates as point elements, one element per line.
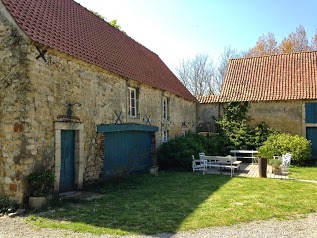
<point>80,97</point>
<point>281,91</point>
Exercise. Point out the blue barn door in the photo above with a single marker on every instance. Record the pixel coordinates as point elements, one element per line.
<point>126,151</point>
<point>127,148</point>
<point>67,174</point>
<point>311,134</point>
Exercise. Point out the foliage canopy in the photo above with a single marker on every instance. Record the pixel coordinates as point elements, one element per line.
<point>282,143</point>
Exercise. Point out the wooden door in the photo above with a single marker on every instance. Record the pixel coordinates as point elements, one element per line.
<point>311,134</point>
<point>67,173</point>
<point>126,151</point>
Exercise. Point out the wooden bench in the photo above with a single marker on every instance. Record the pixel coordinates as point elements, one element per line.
<point>222,162</point>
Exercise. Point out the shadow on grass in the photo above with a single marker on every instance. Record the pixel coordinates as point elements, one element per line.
<point>142,205</point>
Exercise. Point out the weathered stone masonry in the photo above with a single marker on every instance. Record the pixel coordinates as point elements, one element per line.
<point>34,100</point>
<point>14,101</point>
<point>284,116</point>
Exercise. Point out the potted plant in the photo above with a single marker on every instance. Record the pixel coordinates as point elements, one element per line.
<point>276,166</point>
<point>40,188</point>
<point>154,169</point>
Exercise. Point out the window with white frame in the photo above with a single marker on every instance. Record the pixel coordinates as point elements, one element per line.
<point>165,108</point>
<point>165,136</point>
<point>132,102</point>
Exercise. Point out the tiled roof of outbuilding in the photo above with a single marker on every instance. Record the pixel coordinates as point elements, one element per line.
<point>275,77</point>
<point>66,26</point>
<point>208,99</point>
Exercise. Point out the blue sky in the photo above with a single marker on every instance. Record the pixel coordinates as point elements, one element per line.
<point>179,29</point>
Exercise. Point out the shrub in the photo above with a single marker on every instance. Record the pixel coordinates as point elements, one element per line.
<point>279,144</point>
<point>6,205</point>
<point>275,163</point>
<point>41,183</point>
<point>177,151</point>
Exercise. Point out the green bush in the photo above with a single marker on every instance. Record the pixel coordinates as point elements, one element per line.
<point>275,163</point>
<point>279,144</point>
<point>6,205</point>
<point>41,183</point>
<point>177,152</point>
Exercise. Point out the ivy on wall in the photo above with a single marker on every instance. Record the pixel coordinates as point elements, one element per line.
<point>236,132</point>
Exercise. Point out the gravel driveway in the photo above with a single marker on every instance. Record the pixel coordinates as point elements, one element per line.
<point>301,227</point>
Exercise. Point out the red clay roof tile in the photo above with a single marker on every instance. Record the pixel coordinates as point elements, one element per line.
<point>70,28</point>
<point>208,99</point>
<point>275,77</point>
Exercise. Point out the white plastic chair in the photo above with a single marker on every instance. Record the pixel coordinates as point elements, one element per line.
<point>201,155</point>
<point>199,165</point>
<point>286,161</point>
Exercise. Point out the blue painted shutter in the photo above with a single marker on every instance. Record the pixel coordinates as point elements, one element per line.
<point>311,112</point>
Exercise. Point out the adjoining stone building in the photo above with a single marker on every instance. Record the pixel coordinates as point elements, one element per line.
<point>281,91</point>
<point>80,97</point>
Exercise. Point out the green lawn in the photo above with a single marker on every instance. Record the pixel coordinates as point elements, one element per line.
<point>308,173</point>
<point>174,201</point>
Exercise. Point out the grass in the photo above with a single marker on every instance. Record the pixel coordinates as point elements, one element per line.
<point>175,201</point>
<point>308,173</point>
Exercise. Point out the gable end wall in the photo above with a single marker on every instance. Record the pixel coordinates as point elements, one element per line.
<point>35,95</point>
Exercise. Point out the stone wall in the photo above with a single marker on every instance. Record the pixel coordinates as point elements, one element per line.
<point>285,116</point>
<point>14,101</point>
<point>206,115</point>
<point>36,93</point>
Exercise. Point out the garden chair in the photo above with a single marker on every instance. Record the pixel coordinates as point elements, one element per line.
<point>199,165</point>
<point>203,158</point>
<point>286,161</point>
<point>201,155</point>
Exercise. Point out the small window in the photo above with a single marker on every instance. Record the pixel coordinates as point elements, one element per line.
<point>132,102</point>
<point>165,136</point>
<point>165,108</point>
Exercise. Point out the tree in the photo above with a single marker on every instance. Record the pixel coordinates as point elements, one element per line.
<point>98,15</point>
<point>114,24</point>
<point>313,43</point>
<point>197,74</point>
<point>202,76</point>
<point>295,42</point>
<point>265,45</point>
<point>227,53</point>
